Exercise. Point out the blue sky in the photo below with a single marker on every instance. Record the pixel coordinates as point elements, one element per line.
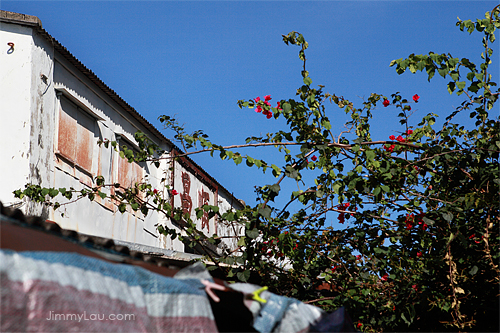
<point>194,60</point>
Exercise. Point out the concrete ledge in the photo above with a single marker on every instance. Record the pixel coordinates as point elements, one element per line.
<point>11,17</point>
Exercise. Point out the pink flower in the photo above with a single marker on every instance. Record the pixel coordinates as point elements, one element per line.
<point>386,103</point>
<point>257,100</point>
<point>385,277</point>
<point>392,137</point>
<point>314,158</point>
<point>267,98</point>
<point>409,132</point>
<point>415,98</point>
<point>174,192</point>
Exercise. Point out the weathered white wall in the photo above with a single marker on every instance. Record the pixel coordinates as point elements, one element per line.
<point>102,218</point>
<point>35,79</point>
<point>15,109</point>
<point>42,118</point>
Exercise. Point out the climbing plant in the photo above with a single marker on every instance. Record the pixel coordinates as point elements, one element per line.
<point>419,243</point>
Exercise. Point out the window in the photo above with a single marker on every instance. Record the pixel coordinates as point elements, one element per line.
<point>77,130</point>
<point>129,173</point>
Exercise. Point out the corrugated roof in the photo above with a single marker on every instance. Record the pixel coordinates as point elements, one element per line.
<point>35,22</point>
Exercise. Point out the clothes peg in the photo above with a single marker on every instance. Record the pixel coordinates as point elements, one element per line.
<point>208,289</point>
<point>256,295</point>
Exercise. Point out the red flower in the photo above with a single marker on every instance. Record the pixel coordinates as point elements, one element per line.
<point>392,137</point>
<point>408,132</point>
<point>424,226</point>
<point>476,241</point>
<point>334,268</point>
<point>415,98</point>
<point>314,158</point>
<point>400,138</point>
<point>359,325</point>
<point>355,209</point>
<point>419,254</point>
<point>410,218</point>
<point>386,102</point>
<point>279,106</point>
<point>267,113</point>
<point>358,257</point>
<point>174,192</point>
<point>389,148</point>
<point>259,108</point>
<point>155,191</point>
<point>267,103</point>
<point>394,308</point>
<point>385,277</point>
<point>257,100</point>
<point>267,98</point>
<point>341,218</point>
<point>415,287</point>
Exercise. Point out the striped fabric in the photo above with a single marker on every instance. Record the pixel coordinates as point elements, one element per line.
<point>68,292</point>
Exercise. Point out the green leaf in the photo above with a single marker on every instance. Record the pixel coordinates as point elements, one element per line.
<point>238,159</point>
<point>451,87</point>
<point>254,233</point>
<point>370,155</point>
<point>122,207</point>
<point>326,124</point>
<point>447,216</point>
<point>307,81</point>
<point>243,276</point>
<point>265,212</point>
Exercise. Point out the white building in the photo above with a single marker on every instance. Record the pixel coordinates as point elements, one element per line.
<point>53,111</point>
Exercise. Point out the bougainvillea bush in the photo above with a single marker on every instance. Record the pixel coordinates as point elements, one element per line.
<point>419,245</point>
